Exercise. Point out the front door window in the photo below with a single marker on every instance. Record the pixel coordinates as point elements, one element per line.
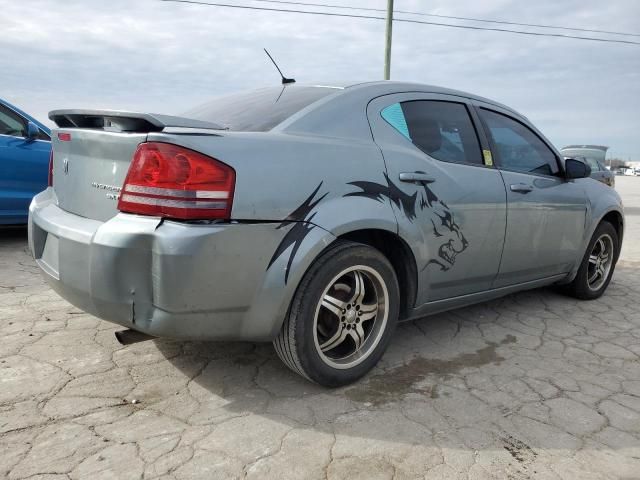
<point>519,148</point>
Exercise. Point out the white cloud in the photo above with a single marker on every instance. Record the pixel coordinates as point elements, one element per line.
<point>156,56</point>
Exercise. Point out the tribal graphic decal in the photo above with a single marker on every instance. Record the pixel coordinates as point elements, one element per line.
<point>424,204</point>
<point>377,191</point>
<point>436,211</point>
<point>301,218</point>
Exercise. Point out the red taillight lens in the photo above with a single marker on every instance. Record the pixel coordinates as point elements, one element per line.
<point>171,181</point>
<point>50,179</point>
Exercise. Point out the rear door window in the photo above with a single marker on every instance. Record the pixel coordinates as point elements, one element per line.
<point>441,129</point>
<point>259,110</point>
<point>518,147</point>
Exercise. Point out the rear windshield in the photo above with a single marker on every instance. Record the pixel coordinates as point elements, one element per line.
<point>258,110</point>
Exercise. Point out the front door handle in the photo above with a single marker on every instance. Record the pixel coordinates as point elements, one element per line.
<point>416,177</point>
<point>521,188</point>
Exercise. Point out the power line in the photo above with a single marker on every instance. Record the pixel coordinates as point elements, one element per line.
<point>423,14</point>
<point>407,20</point>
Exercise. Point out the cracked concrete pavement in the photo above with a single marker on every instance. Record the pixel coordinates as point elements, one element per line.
<point>534,385</point>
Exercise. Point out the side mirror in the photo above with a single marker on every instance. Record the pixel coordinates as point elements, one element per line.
<point>574,168</point>
<point>32,131</point>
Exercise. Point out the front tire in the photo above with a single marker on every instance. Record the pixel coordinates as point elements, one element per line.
<point>342,315</point>
<point>597,265</point>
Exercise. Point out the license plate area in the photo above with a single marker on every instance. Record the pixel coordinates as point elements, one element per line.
<point>49,261</point>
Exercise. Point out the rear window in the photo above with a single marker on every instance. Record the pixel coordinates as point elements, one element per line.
<point>258,110</point>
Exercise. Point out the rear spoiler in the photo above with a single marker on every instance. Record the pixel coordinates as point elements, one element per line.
<point>125,121</point>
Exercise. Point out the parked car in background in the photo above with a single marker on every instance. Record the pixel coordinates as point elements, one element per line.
<point>598,170</point>
<point>315,217</point>
<point>594,155</point>
<point>25,147</point>
<point>629,171</point>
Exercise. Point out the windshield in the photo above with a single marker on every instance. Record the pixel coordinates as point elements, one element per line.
<point>258,110</point>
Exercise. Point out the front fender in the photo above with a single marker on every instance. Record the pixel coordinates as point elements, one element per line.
<point>601,201</point>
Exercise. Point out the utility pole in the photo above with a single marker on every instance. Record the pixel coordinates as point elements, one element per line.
<point>387,46</point>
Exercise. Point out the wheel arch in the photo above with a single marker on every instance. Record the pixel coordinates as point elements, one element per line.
<point>386,241</point>
<point>615,218</point>
<point>399,254</point>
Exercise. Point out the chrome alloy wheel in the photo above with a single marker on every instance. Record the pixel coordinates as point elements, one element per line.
<point>351,316</point>
<point>600,262</point>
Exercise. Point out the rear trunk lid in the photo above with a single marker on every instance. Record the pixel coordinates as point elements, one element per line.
<point>89,170</point>
<point>92,152</point>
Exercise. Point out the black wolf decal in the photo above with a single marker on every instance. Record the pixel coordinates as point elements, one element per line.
<point>300,217</point>
<point>423,203</point>
<point>454,241</point>
<point>437,212</point>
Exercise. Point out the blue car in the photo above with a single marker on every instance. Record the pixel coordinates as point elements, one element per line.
<point>25,146</point>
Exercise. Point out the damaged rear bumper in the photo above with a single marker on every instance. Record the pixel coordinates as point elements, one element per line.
<point>163,278</point>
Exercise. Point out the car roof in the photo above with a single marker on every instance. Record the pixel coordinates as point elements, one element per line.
<point>332,115</point>
<point>384,87</point>
<point>377,88</point>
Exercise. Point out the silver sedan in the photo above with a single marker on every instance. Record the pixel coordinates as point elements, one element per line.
<point>314,217</point>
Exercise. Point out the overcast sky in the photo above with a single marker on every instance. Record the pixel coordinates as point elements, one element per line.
<point>167,57</point>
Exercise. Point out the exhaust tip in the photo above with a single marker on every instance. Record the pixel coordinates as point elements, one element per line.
<point>128,337</point>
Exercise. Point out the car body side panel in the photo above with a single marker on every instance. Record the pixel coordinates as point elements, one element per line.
<point>275,173</point>
<point>545,228</point>
<point>214,277</point>
<point>544,225</point>
<point>317,174</point>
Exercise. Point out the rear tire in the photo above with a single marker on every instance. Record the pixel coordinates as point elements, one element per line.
<point>342,316</point>
<point>597,265</point>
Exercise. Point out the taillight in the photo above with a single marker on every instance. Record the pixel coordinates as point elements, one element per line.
<point>50,179</point>
<point>170,181</point>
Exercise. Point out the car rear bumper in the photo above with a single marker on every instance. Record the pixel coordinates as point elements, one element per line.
<point>163,278</point>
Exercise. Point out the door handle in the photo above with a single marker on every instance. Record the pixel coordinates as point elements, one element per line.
<point>416,177</point>
<point>521,188</point>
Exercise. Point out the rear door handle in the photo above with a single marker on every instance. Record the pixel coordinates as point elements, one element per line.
<point>416,177</point>
<point>521,188</point>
